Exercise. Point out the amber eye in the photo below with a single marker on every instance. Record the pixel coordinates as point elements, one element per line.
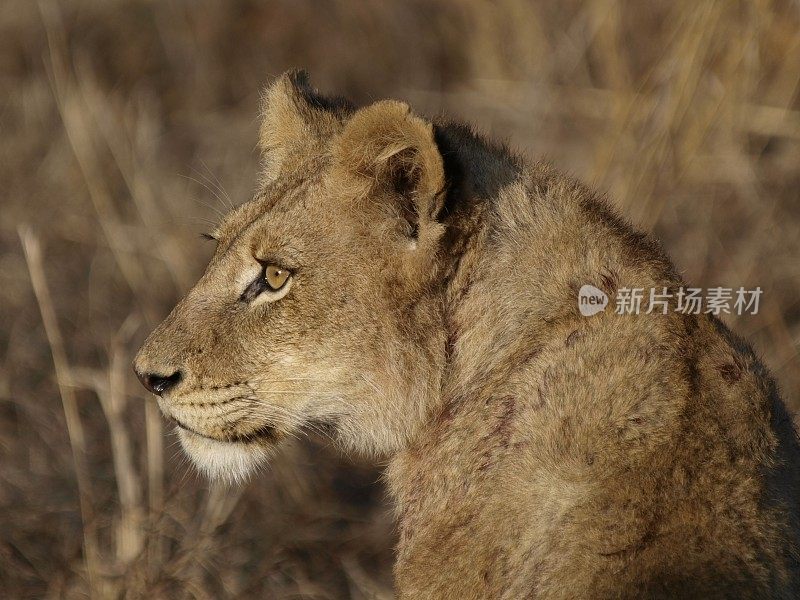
<point>276,277</point>
<point>272,283</point>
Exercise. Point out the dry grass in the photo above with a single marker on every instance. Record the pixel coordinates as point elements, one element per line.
<point>127,126</point>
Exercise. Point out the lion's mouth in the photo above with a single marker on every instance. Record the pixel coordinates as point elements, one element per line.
<point>265,433</point>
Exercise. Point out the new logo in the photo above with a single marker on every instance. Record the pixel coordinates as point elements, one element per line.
<point>591,300</point>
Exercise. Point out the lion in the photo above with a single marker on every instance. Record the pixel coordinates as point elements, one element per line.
<point>411,289</point>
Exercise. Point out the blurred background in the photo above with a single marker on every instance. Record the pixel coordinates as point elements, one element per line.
<point>126,129</point>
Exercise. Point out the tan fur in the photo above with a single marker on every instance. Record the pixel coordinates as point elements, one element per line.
<point>433,322</point>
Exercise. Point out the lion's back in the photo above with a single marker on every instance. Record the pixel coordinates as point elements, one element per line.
<point>614,455</point>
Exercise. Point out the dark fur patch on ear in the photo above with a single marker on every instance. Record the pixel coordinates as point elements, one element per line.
<point>296,123</point>
<point>308,96</point>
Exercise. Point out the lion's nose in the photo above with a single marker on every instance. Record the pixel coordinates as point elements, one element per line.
<point>158,384</point>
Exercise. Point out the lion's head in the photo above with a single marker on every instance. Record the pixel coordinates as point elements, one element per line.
<point>321,306</point>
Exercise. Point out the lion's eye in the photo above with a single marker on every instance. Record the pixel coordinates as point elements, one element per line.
<point>271,284</point>
<point>276,277</point>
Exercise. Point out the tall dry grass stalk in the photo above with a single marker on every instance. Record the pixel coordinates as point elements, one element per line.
<point>33,256</point>
<point>129,534</point>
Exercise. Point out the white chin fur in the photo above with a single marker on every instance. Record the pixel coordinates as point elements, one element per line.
<point>226,461</point>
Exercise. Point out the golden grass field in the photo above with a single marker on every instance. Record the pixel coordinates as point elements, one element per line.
<point>126,127</point>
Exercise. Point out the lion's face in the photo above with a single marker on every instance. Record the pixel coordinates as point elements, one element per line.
<point>319,308</point>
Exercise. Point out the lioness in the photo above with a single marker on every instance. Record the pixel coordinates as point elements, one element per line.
<point>413,289</point>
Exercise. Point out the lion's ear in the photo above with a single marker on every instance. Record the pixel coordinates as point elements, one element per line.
<point>296,122</point>
<point>384,147</point>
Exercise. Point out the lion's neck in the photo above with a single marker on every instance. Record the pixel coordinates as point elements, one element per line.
<point>499,311</point>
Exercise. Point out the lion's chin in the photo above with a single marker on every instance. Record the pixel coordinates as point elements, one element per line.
<point>231,462</point>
